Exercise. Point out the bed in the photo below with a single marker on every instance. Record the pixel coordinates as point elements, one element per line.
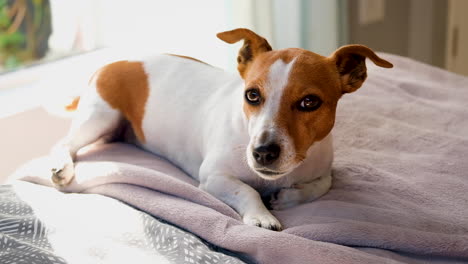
<point>399,193</point>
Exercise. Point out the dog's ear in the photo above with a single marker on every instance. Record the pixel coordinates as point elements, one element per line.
<point>253,45</point>
<point>350,61</point>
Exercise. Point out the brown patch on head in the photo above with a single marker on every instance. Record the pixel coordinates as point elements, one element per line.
<point>327,79</point>
<point>188,58</point>
<point>124,85</point>
<point>311,74</point>
<point>254,45</point>
<point>257,76</point>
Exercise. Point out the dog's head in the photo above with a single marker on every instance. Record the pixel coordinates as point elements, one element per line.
<point>291,96</point>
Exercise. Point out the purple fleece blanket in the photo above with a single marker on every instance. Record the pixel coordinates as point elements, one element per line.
<point>399,192</point>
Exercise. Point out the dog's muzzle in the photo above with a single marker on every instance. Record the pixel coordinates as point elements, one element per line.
<point>266,154</point>
<point>266,159</point>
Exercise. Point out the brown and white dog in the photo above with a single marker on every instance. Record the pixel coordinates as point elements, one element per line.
<point>267,132</point>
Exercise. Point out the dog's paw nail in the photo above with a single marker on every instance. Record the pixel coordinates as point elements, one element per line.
<point>275,228</point>
<point>266,221</point>
<point>62,176</point>
<point>56,171</point>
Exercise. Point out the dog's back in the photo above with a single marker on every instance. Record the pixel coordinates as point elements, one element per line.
<point>170,101</point>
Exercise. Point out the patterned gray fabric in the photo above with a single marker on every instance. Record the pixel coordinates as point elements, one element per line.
<point>32,231</point>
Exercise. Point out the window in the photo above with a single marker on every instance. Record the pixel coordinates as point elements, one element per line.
<point>36,31</point>
<point>52,47</point>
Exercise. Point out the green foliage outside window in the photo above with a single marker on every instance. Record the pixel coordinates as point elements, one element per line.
<point>25,28</point>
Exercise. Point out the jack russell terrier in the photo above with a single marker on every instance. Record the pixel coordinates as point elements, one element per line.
<point>267,132</point>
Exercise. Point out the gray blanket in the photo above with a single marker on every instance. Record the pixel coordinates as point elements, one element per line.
<point>39,225</point>
<point>399,192</point>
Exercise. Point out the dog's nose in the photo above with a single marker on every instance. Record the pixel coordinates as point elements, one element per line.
<point>266,154</point>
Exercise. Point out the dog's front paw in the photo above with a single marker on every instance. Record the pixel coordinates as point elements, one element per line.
<point>285,198</point>
<point>62,175</point>
<point>264,220</point>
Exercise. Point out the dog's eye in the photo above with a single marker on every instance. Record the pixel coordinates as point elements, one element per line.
<point>253,96</point>
<point>309,103</point>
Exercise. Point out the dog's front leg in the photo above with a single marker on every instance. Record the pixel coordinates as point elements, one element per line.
<point>243,198</point>
<point>301,193</point>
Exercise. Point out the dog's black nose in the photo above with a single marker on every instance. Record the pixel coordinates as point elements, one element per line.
<point>266,154</point>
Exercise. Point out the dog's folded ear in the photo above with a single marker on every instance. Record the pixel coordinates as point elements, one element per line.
<point>253,45</point>
<point>350,61</point>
